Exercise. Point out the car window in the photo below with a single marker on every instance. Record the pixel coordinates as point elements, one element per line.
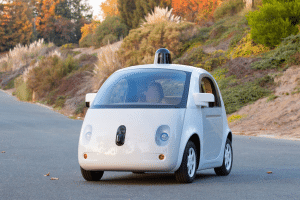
<point>207,86</point>
<point>144,88</point>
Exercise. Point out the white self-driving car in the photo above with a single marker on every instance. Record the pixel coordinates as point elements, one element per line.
<point>159,117</point>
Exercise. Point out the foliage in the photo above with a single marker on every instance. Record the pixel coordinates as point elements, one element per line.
<point>233,118</point>
<point>109,7</point>
<point>68,46</point>
<point>108,63</point>
<point>195,10</point>
<point>282,54</point>
<point>228,8</point>
<point>109,31</point>
<point>273,21</point>
<point>132,12</point>
<point>23,92</point>
<point>48,74</point>
<point>160,15</point>
<point>141,44</point>
<point>21,55</point>
<point>236,97</point>
<point>15,24</point>
<point>213,60</point>
<point>80,108</point>
<point>60,21</point>
<point>87,29</point>
<point>247,48</point>
<point>272,97</point>
<point>60,101</point>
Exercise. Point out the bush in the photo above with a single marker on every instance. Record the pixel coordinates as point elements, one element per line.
<point>23,92</point>
<point>282,54</point>
<point>47,75</point>
<point>229,8</point>
<point>111,29</point>
<point>108,63</point>
<point>275,20</point>
<point>236,97</point>
<point>60,101</point>
<point>247,48</point>
<point>141,44</point>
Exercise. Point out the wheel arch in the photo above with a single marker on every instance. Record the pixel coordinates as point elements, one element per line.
<point>229,136</point>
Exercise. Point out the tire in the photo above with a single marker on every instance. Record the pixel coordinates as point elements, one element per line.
<point>226,167</point>
<point>91,175</point>
<point>187,170</point>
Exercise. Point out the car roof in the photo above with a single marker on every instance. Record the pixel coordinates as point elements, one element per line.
<point>166,66</point>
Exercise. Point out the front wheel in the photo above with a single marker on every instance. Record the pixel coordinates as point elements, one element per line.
<point>91,175</point>
<point>225,169</point>
<point>187,170</point>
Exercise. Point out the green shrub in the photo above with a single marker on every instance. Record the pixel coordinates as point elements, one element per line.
<point>60,101</point>
<point>69,46</point>
<point>23,92</point>
<point>282,54</point>
<point>9,85</point>
<point>111,29</point>
<point>48,74</point>
<point>272,97</point>
<point>273,21</point>
<point>229,8</point>
<point>80,108</point>
<point>236,97</point>
<point>141,44</point>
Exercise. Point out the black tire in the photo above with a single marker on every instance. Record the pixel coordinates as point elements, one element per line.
<point>226,167</point>
<point>187,174</point>
<point>91,175</point>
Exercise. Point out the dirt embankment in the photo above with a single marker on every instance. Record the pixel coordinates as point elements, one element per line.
<point>276,116</point>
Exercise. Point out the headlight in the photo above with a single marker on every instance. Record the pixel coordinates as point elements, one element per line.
<point>162,135</point>
<point>86,134</point>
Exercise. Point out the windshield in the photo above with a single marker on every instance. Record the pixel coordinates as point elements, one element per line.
<point>144,88</point>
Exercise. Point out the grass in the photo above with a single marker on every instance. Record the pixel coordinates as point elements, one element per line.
<point>22,55</point>
<point>234,118</point>
<point>271,97</point>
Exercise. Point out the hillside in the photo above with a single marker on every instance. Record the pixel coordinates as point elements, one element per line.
<point>275,116</point>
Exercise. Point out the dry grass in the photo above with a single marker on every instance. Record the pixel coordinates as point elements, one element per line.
<point>21,55</point>
<point>108,63</point>
<point>161,15</point>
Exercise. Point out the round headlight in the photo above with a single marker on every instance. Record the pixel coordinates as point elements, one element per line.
<point>164,136</point>
<point>88,136</point>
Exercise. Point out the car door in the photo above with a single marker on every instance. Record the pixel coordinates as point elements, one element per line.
<point>212,121</point>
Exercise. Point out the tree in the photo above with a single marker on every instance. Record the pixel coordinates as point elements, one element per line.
<point>133,11</point>
<point>109,7</point>
<point>195,10</point>
<point>60,21</point>
<point>16,26</point>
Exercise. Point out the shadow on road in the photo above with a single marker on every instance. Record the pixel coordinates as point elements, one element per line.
<point>147,179</point>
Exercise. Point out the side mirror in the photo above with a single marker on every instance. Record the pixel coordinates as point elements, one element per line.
<point>89,98</point>
<point>202,99</point>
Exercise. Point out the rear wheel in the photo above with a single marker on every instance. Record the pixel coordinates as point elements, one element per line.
<point>225,169</point>
<point>187,170</point>
<point>91,175</point>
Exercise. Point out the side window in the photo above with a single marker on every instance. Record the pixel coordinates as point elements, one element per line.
<point>207,86</point>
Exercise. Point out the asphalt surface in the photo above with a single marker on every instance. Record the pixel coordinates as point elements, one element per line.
<point>37,140</point>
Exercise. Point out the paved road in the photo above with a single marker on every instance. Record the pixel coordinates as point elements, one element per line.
<point>37,141</point>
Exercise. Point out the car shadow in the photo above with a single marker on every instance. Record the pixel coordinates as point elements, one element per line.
<point>147,179</point>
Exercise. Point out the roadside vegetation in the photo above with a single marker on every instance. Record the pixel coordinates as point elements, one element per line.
<point>226,40</point>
